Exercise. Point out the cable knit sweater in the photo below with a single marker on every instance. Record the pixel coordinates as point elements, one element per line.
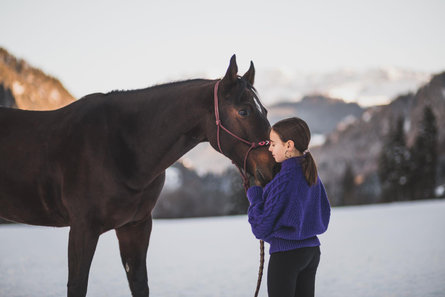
<point>288,214</point>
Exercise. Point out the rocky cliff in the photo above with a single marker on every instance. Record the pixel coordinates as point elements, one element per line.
<point>25,87</point>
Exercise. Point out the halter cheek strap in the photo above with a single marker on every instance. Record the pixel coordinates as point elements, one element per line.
<point>219,125</point>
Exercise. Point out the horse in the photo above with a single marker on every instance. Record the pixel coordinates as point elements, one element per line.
<point>99,163</point>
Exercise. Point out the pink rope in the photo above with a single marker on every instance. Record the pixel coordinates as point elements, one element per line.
<point>243,173</point>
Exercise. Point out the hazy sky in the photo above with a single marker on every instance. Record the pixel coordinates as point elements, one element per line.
<point>103,45</point>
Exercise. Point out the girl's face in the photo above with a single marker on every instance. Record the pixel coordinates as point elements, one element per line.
<point>277,147</point>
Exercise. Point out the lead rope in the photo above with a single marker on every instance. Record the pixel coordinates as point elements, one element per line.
<point>243,174</point>
<point>261,268</point>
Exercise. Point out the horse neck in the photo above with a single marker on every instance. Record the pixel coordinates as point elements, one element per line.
<point>170,121</point>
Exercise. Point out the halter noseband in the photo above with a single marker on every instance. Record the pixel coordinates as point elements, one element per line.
<point>252,145</point>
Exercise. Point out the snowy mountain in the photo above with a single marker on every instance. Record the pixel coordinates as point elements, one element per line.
<point>367,88</point>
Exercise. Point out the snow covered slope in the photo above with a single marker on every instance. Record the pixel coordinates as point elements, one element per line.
<point>369,251</point>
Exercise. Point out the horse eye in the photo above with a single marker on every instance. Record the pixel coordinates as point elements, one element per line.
<point>243,112</point>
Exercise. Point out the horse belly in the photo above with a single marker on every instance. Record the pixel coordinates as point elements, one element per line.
<point>133,207</point>
<point>34,203</point>
<point>29,186</point>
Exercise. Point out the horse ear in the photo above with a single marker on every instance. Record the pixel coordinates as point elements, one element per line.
<point>231,74</point>
<point>250,74</point>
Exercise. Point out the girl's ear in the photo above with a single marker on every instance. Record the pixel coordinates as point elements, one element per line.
<point>290,144</point>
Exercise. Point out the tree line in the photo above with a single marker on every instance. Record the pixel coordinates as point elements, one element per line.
<point>202,196</point>
<point>404,172</point>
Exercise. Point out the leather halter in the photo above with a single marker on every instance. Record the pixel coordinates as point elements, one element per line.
<point>252,145</point>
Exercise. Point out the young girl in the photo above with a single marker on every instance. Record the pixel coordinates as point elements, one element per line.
<point>290,212</point>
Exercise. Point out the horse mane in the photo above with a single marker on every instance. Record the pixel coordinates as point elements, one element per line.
<point>162,86</point>
<point>156,87</point>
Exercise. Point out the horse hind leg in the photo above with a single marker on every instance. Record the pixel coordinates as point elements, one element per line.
<point>81,247</point>
<point>133,244</point>
<point>134,238</point>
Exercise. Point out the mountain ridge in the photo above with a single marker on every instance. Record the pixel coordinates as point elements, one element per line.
<point>322,113</point>
<point>25,87</point>
<point>360,143</point>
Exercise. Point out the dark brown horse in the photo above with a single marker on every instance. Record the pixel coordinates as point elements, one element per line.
<point>99,163</point>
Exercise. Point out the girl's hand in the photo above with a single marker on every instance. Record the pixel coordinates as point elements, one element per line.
<point>258,183</point>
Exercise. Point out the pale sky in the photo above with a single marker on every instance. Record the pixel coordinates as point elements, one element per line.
<point>98,46</point>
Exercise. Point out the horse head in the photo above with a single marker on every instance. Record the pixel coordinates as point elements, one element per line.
<point>239,112</point>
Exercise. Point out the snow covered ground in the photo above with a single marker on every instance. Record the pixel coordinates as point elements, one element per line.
<point>381,250</point>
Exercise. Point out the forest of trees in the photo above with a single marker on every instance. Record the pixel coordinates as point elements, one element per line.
<point>409,173</point>
<point>202,196</point>
<point>404,172</point>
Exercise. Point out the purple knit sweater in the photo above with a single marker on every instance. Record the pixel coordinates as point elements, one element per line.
<point>288,214</point>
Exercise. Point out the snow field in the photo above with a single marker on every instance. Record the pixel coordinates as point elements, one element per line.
<point>380,250</point>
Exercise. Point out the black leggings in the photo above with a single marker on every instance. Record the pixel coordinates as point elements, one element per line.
<point>292,273</point>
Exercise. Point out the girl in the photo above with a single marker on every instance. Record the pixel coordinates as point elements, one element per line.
<point>290,212</point>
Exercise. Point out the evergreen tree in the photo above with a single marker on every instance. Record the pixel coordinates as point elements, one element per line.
<point>393,167</point>
<point>424,158</point>
<point>348,187</point>
<point>237,202</point>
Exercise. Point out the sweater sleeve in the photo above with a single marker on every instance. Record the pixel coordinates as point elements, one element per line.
<point>266,208</point>
<point>255,194</point>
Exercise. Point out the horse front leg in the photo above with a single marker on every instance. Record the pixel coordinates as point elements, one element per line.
<point>133,243</point>
<point>81,247</point>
